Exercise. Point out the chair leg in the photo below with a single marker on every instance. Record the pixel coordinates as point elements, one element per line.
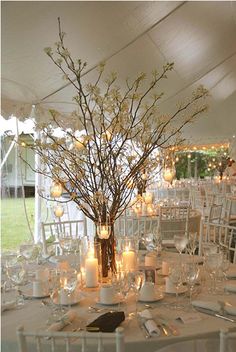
<point>223,340</point>
<point>200,238</point>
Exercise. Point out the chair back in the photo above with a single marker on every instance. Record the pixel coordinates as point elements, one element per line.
<point>173,221</point>
<point>133,225</point>
<point>227,338</point>
<point>225,236</point>
<point>50,341</point>
<point>75,229</point>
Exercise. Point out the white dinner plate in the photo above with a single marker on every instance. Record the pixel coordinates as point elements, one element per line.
<point>182,289</point>
<point>159,296</point>
<point>29,294</point>
<point>114,303</point>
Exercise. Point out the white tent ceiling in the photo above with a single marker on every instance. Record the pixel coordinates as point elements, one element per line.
<point>200,37</point>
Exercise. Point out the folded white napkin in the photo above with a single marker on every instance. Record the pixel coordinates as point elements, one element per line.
<point>65,320</point>
<point>230,309</point>
<point>146,314</point>
<point>149,323</point>
<point>152,328</point>
<point>231,287</point>
<point>214,306</point>
<point>8,306</point>
<point>231,274</point>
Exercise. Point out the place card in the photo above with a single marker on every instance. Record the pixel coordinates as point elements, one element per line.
<point>188,318</point>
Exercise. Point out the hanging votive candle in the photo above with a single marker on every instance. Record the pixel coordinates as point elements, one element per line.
<point>129,255</point>
<point>103,231</point>
<point>169,174</point>
<point>58,211</point>
<point>56,190</point>
<point>80,143</point>
<point>147,197</point>
<point>150,209</point>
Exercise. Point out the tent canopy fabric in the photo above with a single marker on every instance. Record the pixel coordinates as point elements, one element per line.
<point>133,37</point>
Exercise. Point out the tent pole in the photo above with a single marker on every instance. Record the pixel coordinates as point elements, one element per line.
<point>38,186</point>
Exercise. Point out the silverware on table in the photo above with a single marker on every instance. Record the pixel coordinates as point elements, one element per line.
<point>217,315</point>
<point>144,329</point>
<point>163,328</point>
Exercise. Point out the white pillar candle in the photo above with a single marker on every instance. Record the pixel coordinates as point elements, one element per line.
<point>129,260</point>
<point>91,271</point>
<point>165,268</point>
<point>150,260</point>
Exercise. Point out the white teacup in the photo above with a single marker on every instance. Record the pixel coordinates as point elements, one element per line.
<point>147,292</point>
<point>40,288</point>
<point>107,294</point>
<point>42,274</point>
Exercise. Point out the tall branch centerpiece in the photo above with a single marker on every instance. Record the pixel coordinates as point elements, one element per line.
<point>117,132</point>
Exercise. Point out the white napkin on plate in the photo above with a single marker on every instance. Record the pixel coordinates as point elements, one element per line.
<point>8,306</point>
<point>214,306</point>
<point>231,274</point>
<point>149,323</point>
<point>231,287</point>
<point>145,314</point>
<point>65,320</point>
<point>230,309</point>
<point>152,328</point>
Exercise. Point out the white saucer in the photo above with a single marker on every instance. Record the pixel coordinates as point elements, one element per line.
<point>73,302</point>
<point>29,294</point>
<point>159,296</point>
<point>114,303</point>
<point>182,289</point>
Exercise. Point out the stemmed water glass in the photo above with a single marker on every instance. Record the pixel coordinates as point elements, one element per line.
<point>176,277</point>
<point>29,252</point>
<point>192,243</point>
<point>68,280</point>
<point>192,272</point>
<point>180,242</point>
<point>213,263</point>
<point>136,280</point>
<point>225,264</point>
<point>54,286</point>
<point>16,274</point>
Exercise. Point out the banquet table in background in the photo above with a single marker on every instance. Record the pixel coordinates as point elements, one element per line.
<point>134,225</point>
<point>33,315</point>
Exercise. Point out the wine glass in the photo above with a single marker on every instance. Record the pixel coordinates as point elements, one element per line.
<point>192,243</point>
<point>66,244</point>
<point>176,277</point>
<point>224,265</point>
<point>180,242</point>
<point>68,280</point>
<point>136,280</point>
<point>213,262</point>
<point>16,273</point>
<point>54,286</point>
<point>192,272</point>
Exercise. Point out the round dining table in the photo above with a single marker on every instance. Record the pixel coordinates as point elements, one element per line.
<point>187,323</point>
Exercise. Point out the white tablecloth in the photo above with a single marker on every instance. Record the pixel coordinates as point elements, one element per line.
<point>34,316</point>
